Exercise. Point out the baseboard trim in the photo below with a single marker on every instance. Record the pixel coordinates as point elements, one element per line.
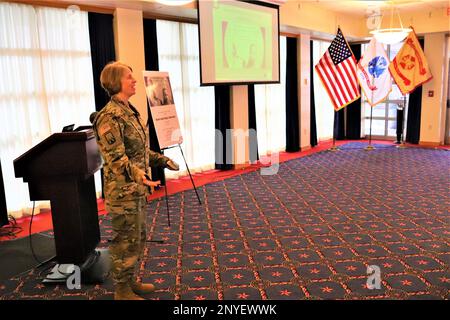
<point>429,144</point>
<point>305,148</point>
<point>240,166</point>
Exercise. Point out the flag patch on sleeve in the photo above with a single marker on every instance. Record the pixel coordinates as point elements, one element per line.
<point>110,137</point>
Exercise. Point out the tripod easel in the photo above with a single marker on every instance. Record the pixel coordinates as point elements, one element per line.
<point>165,186</point>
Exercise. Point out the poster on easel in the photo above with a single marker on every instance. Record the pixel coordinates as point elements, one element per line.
<point>162,107</point>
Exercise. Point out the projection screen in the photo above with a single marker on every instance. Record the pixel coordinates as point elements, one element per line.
<point>239,42</point>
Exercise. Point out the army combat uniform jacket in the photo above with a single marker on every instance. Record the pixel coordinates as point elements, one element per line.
<point>123,142</point>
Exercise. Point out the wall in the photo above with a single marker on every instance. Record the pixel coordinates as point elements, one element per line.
<point>307,16</point>
<point>304,99</point>
<point>445,96</point>
<point>428,21</point>
<point>239,124</point>
<point>433,108</point>
<point>307,19</point>
<point>320,22</point>
<point>129,42</point>
<point>129,47</point>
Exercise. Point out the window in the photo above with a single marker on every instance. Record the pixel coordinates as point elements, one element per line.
<point>323,105</point>
<point>47,84</point>
<point>178,54</point>
<point>270,105</point>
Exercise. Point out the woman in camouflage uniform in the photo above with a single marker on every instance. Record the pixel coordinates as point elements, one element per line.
<point>123,142</point>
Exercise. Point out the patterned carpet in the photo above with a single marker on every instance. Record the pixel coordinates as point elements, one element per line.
<point>308,232</point>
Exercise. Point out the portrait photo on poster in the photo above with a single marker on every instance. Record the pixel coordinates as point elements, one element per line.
<point>162,107</point>
<point>158,90</point>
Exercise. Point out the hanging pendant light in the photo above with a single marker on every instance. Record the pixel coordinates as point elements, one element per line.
<point>391,35</point>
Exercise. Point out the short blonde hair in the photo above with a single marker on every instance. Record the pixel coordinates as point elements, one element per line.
<point>111,76</point>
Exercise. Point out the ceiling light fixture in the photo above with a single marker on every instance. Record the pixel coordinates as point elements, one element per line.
<point>174,2</point>
<point>391,35</point>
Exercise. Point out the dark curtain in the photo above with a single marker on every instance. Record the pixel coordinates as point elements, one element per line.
<point>253,138</point>
<point>292,116</point>
<point>399,130</point>
<point>150,45</point>
<point>3,211</point>
<point>152,64</point>
<point>414,113</point>
<point>353,113</point>
<point>101,37</point>
<point>313,126</point>
<point>223,123</point>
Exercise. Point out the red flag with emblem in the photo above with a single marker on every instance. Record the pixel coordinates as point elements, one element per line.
<point>410,67</point>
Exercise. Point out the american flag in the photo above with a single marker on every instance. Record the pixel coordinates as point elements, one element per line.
<point>337,70</point>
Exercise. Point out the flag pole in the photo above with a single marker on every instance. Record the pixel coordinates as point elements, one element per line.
<point>370,147</point>
<point>334,148</point>
<point>403,145</point>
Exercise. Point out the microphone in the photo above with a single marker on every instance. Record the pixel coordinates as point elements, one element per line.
<point>93,116</point>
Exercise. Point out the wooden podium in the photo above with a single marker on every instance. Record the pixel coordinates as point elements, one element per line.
<point>61,169</point>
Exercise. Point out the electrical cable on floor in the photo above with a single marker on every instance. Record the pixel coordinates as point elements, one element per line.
<point>36,268</point>
<point>11,230</point>
<point>29,236</point>
<point>41,263</point>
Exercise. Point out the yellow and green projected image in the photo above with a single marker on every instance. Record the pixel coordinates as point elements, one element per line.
<point>242,39</point>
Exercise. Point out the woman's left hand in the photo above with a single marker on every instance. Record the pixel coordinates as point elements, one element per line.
<point>150,183</point>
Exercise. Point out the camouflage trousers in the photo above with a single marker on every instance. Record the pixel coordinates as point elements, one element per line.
<point>129,236</point>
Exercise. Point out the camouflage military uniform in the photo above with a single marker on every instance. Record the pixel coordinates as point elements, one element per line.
<point>124,145</point>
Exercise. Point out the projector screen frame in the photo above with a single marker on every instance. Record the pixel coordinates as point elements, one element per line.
<point>230,83</point>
